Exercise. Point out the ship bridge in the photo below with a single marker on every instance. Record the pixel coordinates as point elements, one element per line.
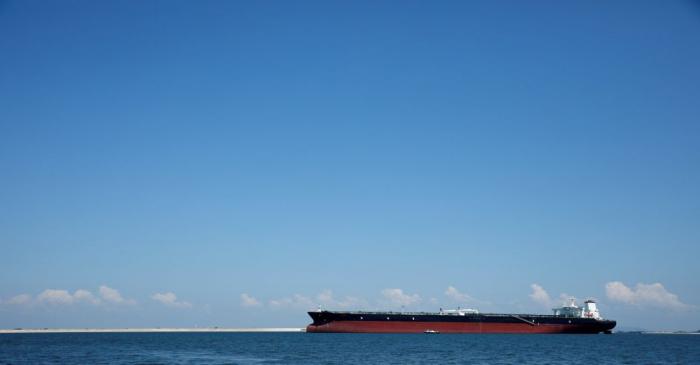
<point>570,309</point>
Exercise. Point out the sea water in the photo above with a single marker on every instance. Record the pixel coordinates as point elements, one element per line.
<point>307,348</point>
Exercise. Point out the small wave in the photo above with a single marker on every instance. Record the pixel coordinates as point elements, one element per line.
<point>200,357</point>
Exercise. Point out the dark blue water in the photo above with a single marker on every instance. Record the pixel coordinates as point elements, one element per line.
<point>302,348</point>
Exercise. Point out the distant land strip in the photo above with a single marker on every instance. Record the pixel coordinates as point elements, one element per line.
<point>119,330</point>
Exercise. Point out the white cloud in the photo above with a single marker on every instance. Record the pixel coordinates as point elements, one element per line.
<point>113,296</point>
<point>327,299</point>
<point>325,296</point>
<point>249,301</point>
<point>64,297</point>
<point>564,299</point>
<point>296,301</point>
<point>55,296</point>
<point>397,297</point>
<point>654,295</point>
<point>324,299</point>
<point>457,296</point>
<point>19,299</point>
<point>539,295</point>
<point>106,295</point>
<point>81,295</point>
<point>170,299</point>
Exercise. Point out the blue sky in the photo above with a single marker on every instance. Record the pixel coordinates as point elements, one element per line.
<point>168,163</point>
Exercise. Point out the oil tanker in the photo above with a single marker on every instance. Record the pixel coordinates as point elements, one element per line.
<point>569,318</point>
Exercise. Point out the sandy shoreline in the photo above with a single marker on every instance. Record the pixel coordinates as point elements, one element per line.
<point>118,330</point>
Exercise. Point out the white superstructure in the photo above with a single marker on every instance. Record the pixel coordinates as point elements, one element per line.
<point>458,312</point>
<point>570,309</point>
<point>590,310</point>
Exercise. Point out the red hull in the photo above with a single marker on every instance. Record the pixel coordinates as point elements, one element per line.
<point>448,327</point>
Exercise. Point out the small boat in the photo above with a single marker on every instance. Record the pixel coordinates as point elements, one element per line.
<point>431,332</point>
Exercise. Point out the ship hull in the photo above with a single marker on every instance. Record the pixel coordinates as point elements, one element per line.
<point>346,322</point>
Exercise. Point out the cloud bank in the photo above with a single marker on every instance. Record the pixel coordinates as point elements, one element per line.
<point>540,296</point>
<point>111,295</point>
<point>397,297</point>
<point>19,299</point>
<point>295,301</point>
<point>654,295</point>
<point>169,299</point>
<point>56,296</point>
<point>457,296</point>
<point>106,295</point>
<point>389,297</point>
<point>81,295</point>
<point>327,299</point>
<point>249,301</point>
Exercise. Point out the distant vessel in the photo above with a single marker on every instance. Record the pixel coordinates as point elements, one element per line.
<point>566,319</point>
